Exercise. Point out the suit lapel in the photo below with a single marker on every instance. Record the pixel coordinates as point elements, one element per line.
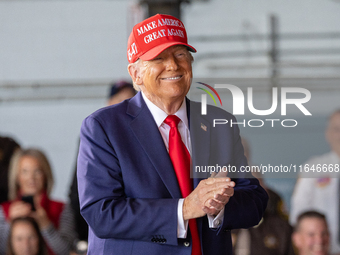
<point>143,125</point>
<point>200,145</point>
<point>149,137</point>
<point>200,129</point>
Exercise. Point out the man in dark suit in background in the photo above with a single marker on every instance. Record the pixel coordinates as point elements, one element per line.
<point>134,160</point>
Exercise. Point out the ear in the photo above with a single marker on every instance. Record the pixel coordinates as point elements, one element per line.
<point>135,72</point>
<point>296,238</point>
<point>191,57</point>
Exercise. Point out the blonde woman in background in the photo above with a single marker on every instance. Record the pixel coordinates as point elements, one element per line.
<point>30,185</point>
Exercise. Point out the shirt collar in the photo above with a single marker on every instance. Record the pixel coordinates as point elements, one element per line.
<point>159,115</point>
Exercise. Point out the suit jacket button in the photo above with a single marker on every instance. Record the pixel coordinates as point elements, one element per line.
<point>186,244</point>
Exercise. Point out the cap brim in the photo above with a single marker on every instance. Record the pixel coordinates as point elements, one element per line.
<point>154,52</point>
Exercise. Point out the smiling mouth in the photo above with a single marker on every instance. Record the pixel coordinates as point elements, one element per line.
<point>173,78</point>
<point>318,248</point>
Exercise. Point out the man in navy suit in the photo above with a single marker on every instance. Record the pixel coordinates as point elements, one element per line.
<point>129,191</point>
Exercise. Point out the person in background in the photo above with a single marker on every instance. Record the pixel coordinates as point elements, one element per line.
<point>25,238</point>
<point>272,236</point>
<point>311,234</point>
<point>323,192</point>
<point>30,185</point>
<point>7,147</point>
<point>118,92</point>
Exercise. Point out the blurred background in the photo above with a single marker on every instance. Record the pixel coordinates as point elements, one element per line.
<point>57,59</point>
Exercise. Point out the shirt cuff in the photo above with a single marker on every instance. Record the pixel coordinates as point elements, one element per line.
<point>215,222</point>
<point>182,225</point>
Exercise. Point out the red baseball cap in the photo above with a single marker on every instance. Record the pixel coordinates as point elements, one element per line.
<point>155,34</point>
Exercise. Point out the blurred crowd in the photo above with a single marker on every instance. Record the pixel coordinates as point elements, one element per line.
<point>32,223</point>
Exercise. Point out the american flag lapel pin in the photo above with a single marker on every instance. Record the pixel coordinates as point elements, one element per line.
<point>204,127</point>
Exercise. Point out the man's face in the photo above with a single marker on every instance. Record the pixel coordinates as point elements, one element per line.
<point>312,237</point>
<point>168,76</point>
<point>333,133</point>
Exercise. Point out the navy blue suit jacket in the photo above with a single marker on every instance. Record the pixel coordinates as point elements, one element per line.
<point>128,188</point>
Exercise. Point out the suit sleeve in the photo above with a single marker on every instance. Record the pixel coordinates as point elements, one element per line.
<point>103,202</point>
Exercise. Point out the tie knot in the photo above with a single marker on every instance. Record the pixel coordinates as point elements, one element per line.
<point>172,121</point>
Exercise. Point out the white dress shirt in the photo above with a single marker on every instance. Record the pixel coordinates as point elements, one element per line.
<point>183,128</point>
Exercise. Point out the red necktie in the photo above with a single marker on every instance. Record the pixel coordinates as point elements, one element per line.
<point>180,158</point>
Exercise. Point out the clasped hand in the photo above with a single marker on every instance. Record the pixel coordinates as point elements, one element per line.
<point>209,197</point>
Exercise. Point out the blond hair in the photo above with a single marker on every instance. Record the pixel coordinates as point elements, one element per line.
<point>13,186</point>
